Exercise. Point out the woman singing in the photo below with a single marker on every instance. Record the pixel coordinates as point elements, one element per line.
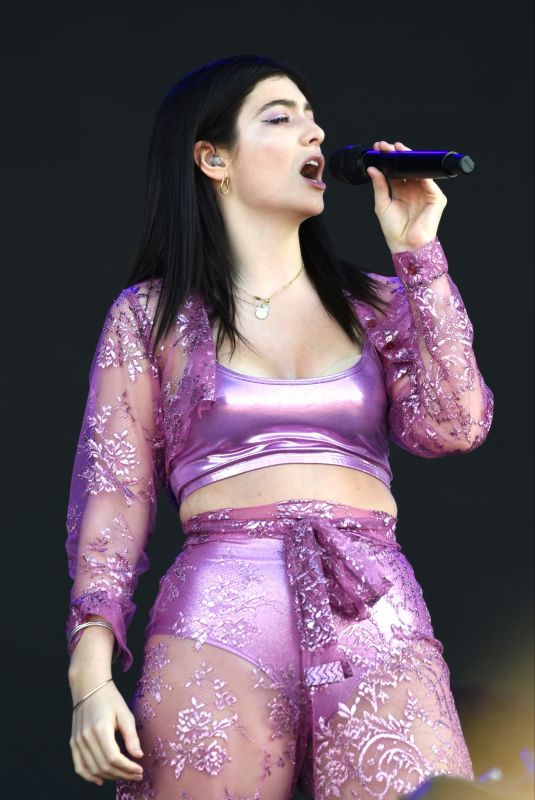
<point>258,379</point>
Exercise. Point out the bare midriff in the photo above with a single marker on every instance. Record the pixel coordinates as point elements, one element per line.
<point>291,482</point>
<point>301,338</point>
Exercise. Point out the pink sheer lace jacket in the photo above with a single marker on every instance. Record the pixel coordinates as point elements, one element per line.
<point>140,403</point>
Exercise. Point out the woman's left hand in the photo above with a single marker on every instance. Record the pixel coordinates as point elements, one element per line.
<point>410,217</point>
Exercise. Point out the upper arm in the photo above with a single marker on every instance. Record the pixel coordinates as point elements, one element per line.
<point>112,498</point>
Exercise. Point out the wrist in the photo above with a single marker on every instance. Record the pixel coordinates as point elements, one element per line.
<point>92,656</point>
<point>422,265</point>
<point>83,678</point>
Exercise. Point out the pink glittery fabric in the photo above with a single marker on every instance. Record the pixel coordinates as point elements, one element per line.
<point>290,645</point>
<point>210,711</point>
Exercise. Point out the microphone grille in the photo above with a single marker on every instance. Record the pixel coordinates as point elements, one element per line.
<point>346,164</point>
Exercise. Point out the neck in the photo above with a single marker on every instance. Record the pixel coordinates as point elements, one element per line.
<point>266,249</point>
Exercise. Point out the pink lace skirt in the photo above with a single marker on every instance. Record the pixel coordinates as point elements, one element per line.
<point>290,646</point>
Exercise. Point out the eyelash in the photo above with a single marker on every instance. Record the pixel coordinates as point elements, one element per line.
<point>279,118</point>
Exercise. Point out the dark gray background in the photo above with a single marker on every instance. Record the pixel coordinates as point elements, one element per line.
<point>81,87</point>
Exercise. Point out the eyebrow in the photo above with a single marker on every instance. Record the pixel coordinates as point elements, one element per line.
<point>288,103</point>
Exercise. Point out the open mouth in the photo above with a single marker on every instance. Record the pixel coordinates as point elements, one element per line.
<point>312,170</point>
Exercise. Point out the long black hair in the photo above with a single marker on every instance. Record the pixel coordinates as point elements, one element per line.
<point>184,242</point>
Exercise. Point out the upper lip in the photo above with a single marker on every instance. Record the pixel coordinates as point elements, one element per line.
<point>316,157</point>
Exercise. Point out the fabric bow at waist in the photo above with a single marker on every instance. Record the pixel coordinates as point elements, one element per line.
<point>332,566</point>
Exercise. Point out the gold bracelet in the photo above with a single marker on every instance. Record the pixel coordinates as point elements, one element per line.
<point>75,706</point>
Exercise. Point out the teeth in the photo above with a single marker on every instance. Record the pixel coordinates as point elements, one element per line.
<point>311,174</point>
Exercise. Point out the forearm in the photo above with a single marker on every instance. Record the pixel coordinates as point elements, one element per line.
<point>449,373</point>
<point>445,405</point>
<point>91,658</point>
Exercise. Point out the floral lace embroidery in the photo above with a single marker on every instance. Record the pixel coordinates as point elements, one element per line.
<point>151,682</point>
<point>119,346</point>
<point>440,404</point>
<point>227,609</point>
<point>200,734</point>
<point>171,584</point>
<point>136,422</point>
<point>384,752</point>
<point>112,502</point>
<point>140,404</point>
<point>379,731</point>
<point>133,790</point>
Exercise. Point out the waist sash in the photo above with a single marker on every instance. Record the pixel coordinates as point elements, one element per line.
<point>332,566</point>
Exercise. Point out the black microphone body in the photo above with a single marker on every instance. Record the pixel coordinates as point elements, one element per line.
<point>349,164</point>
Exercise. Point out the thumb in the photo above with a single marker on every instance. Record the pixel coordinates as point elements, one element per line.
<point>380,187</point>
<point>127,726</point>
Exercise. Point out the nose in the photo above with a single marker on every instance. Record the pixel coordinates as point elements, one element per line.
<point>315,133</point>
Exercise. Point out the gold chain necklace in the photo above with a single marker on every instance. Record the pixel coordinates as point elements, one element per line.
<point>262,307</point>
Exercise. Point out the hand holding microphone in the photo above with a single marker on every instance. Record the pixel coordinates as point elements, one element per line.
<point>409,212</point>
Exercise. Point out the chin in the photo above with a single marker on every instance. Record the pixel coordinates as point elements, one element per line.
<point>313,209</point>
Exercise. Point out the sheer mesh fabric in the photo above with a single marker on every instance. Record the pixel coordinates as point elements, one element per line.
<point>112,502</point>
<point>135,423</point>
<point>240,698</point>
<point>440,403</point>
<point>212,724</point>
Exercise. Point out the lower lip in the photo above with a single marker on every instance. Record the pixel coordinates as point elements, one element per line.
<point>317,184</point>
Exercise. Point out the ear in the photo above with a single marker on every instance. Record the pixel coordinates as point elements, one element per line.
<point>202,153</point>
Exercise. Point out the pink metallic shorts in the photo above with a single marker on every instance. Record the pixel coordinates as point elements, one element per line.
<point>290,646</point>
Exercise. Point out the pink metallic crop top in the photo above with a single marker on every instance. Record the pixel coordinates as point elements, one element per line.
<point>257,422</point>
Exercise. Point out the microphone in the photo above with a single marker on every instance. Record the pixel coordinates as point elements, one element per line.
<point>349,164</point>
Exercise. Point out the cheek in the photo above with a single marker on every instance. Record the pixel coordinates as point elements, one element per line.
<point>266,164</point>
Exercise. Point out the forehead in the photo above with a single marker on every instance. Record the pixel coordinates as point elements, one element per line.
<point>270,89</point>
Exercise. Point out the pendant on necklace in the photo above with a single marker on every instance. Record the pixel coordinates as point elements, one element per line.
<point>261,310</point>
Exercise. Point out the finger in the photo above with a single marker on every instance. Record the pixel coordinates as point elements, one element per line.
<point>91,755</point>
<point>107,769</point>
<point>127,726</point>
<point>118,764</point>
<point>401,146</point>
<point>384,146</point>
<point>80,766</point>
<point>380,187</point>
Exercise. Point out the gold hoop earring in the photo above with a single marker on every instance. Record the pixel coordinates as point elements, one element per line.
<point>226,183</point>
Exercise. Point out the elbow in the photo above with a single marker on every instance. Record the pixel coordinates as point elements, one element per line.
<point>426,437</point>
<point>467,447</point>
<point>478,436</point>
<point>469,431</point>
<point>479,428</point>
<point>473,436</point>
<point>418,444</point>
<point>427,442</point>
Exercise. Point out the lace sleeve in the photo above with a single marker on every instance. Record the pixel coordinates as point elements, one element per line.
<point>439,402</point>
<point>117,468</point>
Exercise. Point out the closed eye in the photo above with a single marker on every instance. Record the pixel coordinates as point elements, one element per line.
<point>278,118</point>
